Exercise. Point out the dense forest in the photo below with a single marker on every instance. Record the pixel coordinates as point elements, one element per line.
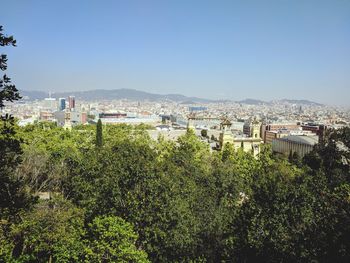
<point>118,196</point>
<point>127,198</point>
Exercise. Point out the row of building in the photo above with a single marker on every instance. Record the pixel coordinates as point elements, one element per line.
<point>249,135</point>
<point>285,138</point>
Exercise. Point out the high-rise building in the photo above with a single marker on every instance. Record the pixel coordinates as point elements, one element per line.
<point>61,104</point>
<point>83,117</point>
<point>71,102</point>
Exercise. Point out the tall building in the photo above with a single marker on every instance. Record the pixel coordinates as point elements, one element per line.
<point>71,102</point>
<point>67,121</point>
<point>226,135</point>
<point>84,117</point>
<point>61,104</point>
<point>255,129</point>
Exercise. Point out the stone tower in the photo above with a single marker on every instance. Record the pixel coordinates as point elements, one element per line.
<point>226,135</point>
<point>67,122</point>
<point>255,129</point>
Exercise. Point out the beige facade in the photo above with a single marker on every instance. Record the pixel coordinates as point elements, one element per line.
<point>248,144</point>
<point>293,143</point>
<point>255,129</point>
<point>251,145</point>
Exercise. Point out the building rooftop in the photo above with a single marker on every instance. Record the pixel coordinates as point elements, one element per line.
<point>309,140</point>
<point>226,121</point>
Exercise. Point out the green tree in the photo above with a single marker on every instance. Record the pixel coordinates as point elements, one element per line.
<point>111,239</point>
<point>227,151</point>
<point>8,91</point>
<point>186,203</point>
<point>53,231</point>
<point>13,195</point>
<point>204,133</point>
<point>294,158</point>
<point>99,138</point>
<point>270,224</point>
<point>329,172</point>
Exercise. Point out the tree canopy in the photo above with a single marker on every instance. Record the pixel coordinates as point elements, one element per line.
<point>180,202</point>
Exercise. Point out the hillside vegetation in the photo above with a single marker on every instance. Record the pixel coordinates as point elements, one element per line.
<point>132,199</point>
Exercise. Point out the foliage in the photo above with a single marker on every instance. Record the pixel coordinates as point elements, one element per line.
<point>13,192</point>
<point>8,92</point>
<point>204,133</point>
<point>99,140</point>
<point>13,195</point>
<point>111,239</point>
<point>52,231</point>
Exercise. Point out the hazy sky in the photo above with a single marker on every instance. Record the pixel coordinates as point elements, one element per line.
<point>214,49</point>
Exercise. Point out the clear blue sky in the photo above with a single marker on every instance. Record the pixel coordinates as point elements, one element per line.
<point>214,49</point>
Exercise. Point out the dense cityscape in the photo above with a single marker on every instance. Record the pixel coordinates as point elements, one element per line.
<point>287,122</point>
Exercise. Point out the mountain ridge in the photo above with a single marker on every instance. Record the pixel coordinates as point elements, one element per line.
<point>137,95</point>
<point>104,94</point>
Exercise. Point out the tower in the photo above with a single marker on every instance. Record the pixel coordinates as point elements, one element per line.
<point>67,122</point>
<point>71,102</point>
<point>226,135</point>
<point>61,104</point>
<point>255,129</point>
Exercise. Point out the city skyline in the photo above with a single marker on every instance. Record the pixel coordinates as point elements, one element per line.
<point>222,50</point>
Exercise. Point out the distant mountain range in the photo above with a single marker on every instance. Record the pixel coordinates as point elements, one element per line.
<point>305,102</point>
<point>136,95</point>
<point>252,102</point>
<point>115,94</point>
<point>283,101</point>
